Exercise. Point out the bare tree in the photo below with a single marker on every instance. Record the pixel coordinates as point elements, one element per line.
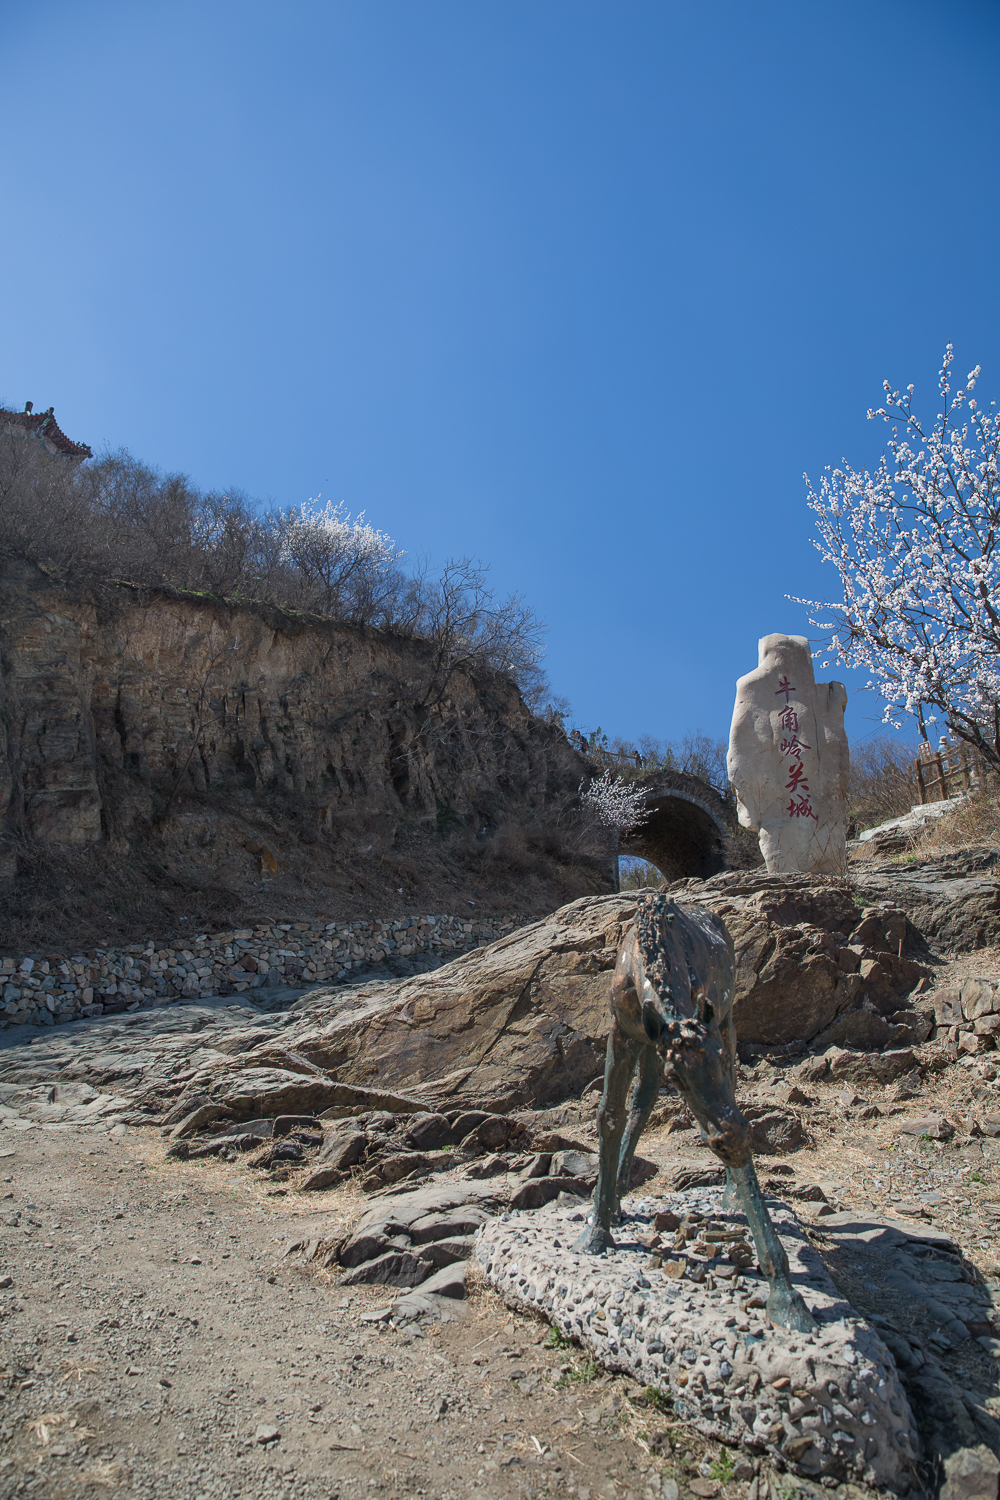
<point>469,628</point>
<point>116,520</point>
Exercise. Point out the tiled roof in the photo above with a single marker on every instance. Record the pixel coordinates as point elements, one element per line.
<point>44,425</point>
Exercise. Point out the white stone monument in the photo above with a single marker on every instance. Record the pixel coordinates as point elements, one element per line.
<point>788,760</point>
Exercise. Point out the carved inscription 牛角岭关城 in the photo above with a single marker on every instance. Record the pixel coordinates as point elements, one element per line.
<point>792,747</point>
<point>788,760</point>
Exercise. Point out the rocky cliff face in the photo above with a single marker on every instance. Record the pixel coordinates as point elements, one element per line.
<point>240,749</point>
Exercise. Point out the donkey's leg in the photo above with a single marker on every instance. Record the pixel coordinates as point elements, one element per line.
<point>618,1070</point>
<point>784,1304</point>
<point>731,1197</point>
<point>644,1093</point>
<point>703,1068</point>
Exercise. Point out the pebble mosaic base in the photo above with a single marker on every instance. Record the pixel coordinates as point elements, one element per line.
<point>828,1403</point>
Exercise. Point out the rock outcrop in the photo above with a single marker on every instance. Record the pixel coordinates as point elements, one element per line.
<point>524,1022</point>
<point>204,746</point>
<point>813,966</point>
<point>163,690</point>
<point>952,901</point>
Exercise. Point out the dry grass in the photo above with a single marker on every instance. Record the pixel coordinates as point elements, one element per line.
<point>199,874</point>
<point>976,821</point>
<point>540,853</point>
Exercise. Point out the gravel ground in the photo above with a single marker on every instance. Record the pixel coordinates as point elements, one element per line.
<point>154,1334</point>
<point>156,1341</point>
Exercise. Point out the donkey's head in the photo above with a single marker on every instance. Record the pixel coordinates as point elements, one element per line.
<point>682,968</point>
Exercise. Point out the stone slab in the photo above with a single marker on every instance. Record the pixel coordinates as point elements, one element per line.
<point>828,1404</point>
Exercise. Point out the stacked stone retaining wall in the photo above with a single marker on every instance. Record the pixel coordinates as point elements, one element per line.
<point>43,989</point>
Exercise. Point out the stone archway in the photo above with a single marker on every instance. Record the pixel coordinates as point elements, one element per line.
<point>684,835</point>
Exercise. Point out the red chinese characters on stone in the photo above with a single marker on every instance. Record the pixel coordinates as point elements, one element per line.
<point>799,805</point>
<point>796,778</point>
<point>794,746</point>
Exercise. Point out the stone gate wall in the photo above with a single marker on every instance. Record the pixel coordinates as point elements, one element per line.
<point>41,990</point>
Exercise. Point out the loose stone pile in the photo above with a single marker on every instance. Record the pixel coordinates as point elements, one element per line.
<point>968,1018</point>
<point>828,1403</point>
<point>41,989</point>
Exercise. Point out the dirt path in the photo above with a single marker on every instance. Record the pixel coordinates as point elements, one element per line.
<point>153,1331</point>
<point>156,1341</point>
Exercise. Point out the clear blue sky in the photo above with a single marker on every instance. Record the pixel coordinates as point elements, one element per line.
<point>578,288</point>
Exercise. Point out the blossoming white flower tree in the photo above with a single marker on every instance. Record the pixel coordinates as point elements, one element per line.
<point>917,547</point>
<point>339,560</point>
<point>615,804</point>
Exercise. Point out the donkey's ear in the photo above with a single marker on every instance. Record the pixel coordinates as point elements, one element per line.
<point>703,1006</point>
<point>623,987</point>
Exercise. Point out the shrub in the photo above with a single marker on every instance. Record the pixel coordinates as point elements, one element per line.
<point>882,783</point>
<point>976,820</point>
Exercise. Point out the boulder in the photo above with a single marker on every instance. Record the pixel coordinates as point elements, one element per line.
<point>978,999</point>
<point>813,1069</point>
<point>448,1282</point>
<point>464,1121</point>
<point>773,1131</point>
<point>394,1215</point>
<point>286,1124</point>
<point>367,1245</point>
<point>541,1190</point>
<point>428,1132</point>
<point>971,1474</point>
<point>491,1134</point>
<point>205,1114</point>
<point>251,1090</point>
<point>441,1226</point>
<point>490,1166</point>
<point>935,1127</point>
<point>804,959</point>
<point>865,1030</point>
<point>523,1022</point>
<point>441,1253</point>
<point>876,1067</point>
<point>574,1164</point>
<point>394,1268</point>
<point>952,900</point>
<point>404,1164</point>
<point>343,1148</point>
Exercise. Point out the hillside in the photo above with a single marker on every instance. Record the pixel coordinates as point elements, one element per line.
<point>167,756</point>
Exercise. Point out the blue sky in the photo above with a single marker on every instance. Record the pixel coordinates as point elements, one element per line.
<point>577,288</point>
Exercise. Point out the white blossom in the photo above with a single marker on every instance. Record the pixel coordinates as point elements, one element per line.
<point>331,533</point>
<point>615,803</point>
<point>917,548</point>
<point>340,561</point>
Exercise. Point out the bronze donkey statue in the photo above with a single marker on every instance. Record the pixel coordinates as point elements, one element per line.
<point>672,997</point>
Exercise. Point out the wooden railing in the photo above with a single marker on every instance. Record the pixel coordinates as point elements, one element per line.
<point>952,768</point>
